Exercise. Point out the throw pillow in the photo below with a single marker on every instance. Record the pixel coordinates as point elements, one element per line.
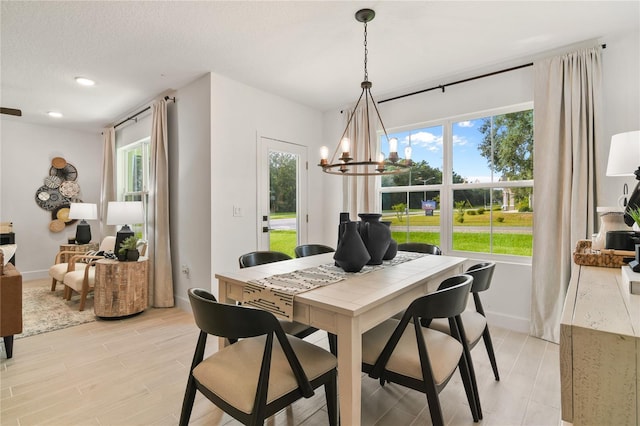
<point>8,250</point>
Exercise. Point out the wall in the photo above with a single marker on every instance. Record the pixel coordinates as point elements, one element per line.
<point>26,151</point>
<point>190,188</point>
<point>508,303</point>
<point>240,115</point>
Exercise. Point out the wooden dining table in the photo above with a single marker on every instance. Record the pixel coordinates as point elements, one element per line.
<point>350,307</point>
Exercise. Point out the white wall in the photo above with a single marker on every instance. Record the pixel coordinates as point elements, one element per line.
<point>508,302</point>
<point>240,115</point>
<point>26,151</point>
<point>190,187</point>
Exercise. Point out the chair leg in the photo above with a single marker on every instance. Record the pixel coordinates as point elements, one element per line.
<point>187,403</point>
<point>67,292</point>
<point>53,284</point>
<point>463,367</point>
<point>434,405</point>
<point>83,299</point>
<point>486,336</point>
<point>8,345</point>
<point>333,343</point>
<point>331,394</point>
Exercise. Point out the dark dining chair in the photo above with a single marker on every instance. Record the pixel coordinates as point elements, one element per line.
<point>475,321</point>
<point>420,248</point>
<point>256,258</point>
<point>261,373</point>
<point>305,250</point>
<point>404,352</point>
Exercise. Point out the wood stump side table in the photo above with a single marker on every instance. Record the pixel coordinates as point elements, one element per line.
<point>120,288</point>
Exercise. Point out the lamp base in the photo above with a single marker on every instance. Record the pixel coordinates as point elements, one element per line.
<point>124,233</point>
<point>83,232</point>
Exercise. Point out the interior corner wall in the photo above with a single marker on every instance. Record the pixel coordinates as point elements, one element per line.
<point>240,115</point>
<point>26,151</point>
<point>190,188</point>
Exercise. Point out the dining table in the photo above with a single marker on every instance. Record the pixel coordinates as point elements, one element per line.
<point>350,306</point>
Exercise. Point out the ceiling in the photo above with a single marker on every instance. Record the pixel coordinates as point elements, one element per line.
<point>307,51</point>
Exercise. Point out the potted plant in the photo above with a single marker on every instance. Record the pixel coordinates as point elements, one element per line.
<point>128,249</point>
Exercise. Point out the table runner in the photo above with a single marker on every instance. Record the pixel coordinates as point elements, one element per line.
<point>276,292</point>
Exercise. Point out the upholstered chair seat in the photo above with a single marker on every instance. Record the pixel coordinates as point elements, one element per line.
<point>474,325</point>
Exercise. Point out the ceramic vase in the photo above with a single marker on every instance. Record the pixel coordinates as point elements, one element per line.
<point>375,235</point>
<point>351,254</point>
<point>133,255</point>
<point>393,246</point>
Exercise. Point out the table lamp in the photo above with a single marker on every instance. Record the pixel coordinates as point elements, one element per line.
<point>124,213</point>
<point>624,160</point>
<point>84,212</point>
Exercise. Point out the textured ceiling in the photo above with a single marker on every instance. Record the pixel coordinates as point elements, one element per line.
<point>307,51</point>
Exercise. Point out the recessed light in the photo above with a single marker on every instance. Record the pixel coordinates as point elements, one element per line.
<point>55,114</point>
<point>85,81</point>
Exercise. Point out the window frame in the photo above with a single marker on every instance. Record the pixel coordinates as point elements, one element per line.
<point>123,178</point>
<point>447,187</point>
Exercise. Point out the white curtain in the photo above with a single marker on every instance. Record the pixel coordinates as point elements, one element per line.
<point>108,184</point>
<point>360,189</point>
<point>159,249</point>
<point>567,99</point>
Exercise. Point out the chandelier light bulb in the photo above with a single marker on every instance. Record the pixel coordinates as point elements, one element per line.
<point>393,145</point>
<point>324,155</point>
<point>345,144</point>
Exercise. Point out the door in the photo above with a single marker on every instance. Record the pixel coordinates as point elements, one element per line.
<point>282,188</point>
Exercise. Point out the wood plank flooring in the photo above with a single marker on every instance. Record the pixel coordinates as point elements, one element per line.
<point>133,372</point>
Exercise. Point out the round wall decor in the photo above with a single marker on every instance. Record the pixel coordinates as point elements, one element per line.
<point>52,181</point>
<point>56,225</point>
<point>50,198</point>
<point>69,188</point>
<point>68,172</point>
<point>58,162</point>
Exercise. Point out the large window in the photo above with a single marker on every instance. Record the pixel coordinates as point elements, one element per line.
<point>133,177</point>
<point>471,186</point>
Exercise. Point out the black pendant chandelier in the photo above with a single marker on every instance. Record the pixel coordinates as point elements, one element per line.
<point>365,165</point>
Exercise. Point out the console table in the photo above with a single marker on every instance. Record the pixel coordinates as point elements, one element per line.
<point>120,288</point>
<point>600,349</point>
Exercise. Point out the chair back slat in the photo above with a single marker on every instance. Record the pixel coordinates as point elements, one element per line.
<point>450,299</point>
<point>256,258</point>
<point>229,321</point>
<point>305,250</point>
<point>482,274</point>
<point>420,248</point>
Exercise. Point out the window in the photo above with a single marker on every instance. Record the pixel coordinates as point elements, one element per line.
<point>133,178</point>
<point>470,188</point>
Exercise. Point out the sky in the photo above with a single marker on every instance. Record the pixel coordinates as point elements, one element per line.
<point>426,145</point>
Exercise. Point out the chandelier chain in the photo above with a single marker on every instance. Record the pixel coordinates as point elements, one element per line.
<point>366,51</point>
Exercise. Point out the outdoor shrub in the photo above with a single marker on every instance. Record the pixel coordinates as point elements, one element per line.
<point>481,210</point>
<point>500,219</point>
<point>472,212</point>
<point>460,218</point>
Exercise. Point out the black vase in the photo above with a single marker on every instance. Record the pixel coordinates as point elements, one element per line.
<point>393,246</point>
<point>351,253</point>
<point>375,235</point>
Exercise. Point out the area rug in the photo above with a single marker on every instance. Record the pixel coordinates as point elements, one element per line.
<point>44,310</point>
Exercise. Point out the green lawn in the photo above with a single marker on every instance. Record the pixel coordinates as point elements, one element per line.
<point>499,219</point>
<point>512,244</point>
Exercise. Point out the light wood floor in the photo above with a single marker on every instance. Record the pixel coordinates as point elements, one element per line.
<point>133,372</point>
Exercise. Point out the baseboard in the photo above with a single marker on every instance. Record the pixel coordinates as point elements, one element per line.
<point>509,322</point>
<point>182,303</point>
<point>33,275</point>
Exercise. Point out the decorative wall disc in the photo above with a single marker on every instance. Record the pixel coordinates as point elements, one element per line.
<point>69,188</point>
<point>58,162</point>
<point>68,172</point>
<point>56,225</point>
<point>52,181</point>
<point>50,198</point>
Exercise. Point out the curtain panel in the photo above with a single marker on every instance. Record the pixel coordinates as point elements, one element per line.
<point>160,271</point>
<point>360,189</point>
<point>568,113</point>
<point>108,183</point>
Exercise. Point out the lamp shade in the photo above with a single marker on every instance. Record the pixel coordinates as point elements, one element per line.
<point>125,212</point>
<point>624,154</point>
<point>86,211</point>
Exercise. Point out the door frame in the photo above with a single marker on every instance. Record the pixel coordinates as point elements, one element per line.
<point>265,145</point>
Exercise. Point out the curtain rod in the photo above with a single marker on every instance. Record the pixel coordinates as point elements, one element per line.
<point>166,98</point>
<point>442,86</point>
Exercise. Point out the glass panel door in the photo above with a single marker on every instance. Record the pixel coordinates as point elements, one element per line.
<point>282,222</point>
